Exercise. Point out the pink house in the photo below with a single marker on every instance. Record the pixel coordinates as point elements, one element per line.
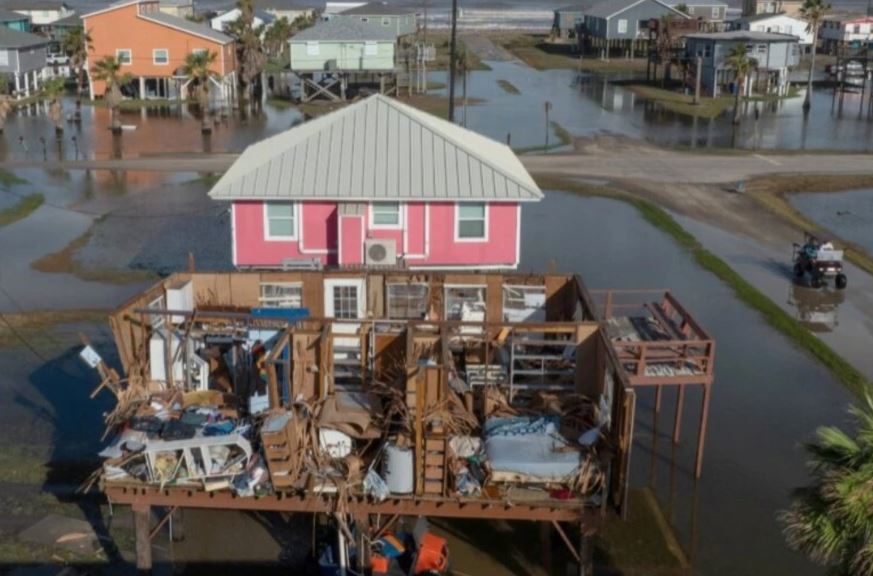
<point>377,183</point>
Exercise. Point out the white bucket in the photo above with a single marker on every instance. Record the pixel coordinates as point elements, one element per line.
<point>397,469</point>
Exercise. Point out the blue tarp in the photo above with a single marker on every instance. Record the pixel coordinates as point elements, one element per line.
<point>291,315</point>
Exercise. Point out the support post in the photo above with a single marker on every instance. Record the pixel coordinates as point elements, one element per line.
<point>701,435</point>
<point>142,90</point>
<point>142,520</point>
<point>586,567</point>
<point>677,423</point>
<point>698,73</point>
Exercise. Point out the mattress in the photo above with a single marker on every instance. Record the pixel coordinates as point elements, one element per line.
<point>528,450</point>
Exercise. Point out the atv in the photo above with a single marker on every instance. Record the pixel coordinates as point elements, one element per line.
<point>818,258</point>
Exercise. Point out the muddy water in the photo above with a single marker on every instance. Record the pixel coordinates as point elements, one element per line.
<point>849,214</point>
<point>172,129</point>
<point>589,104</point>
<point>768,397</point>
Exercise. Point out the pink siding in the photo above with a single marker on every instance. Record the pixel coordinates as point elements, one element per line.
<point>351,234</point>
<point>320,236</point>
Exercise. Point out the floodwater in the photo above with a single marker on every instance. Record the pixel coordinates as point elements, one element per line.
<point>843,319</point>
<point>768,397</point>
<point>29,135</point>
<point>588,105</point>
<point>848,214</point>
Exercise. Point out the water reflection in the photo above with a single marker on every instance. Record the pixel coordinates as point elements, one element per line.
<point>161,130</point>
<point>817,309</point>
<point>589,104</point>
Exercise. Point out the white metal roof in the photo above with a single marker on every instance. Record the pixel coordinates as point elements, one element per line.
<point>378,149</point>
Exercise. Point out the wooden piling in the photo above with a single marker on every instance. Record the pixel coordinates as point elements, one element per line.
<point>142,520</point>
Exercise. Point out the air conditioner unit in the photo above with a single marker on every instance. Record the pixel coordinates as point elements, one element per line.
<point>380,253</point>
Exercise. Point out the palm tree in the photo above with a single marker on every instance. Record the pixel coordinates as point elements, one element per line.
<point>276,37</point>
<point>52,90</point>
<point>738,60</point>
<point>76,45</point>
<point>813,11</point>
<point>831,520</point>
<point>250,50</point>
<point>108,70</point>
<point>198,70</point>
<point>5,102</point>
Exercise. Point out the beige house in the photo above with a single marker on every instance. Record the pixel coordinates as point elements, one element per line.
<point>178,8</point>
<point>787,7</point>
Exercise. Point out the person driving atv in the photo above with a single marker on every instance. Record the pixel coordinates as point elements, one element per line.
<point>810,250</point>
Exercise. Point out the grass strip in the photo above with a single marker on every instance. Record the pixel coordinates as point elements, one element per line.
<point>25,206</point>
<point>778,318</point>
<point>564,138</point>
<point>8,179</point>
<point>508,86</point>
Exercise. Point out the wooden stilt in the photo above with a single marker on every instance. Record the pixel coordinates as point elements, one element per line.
<point>546,546</point>
<point>659,393</point>
<point>680,400</point>
<point>142,520</point>
<point>701,435</point>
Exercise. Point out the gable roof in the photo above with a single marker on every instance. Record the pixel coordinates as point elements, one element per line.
<point>10,16</point>
<point>32,5</point>
<point>378,9</point>
<point>185,25</point>
<point>344,30</point>
<point>378,149</point>
<point>164,19</point>
<point>609,8</point>
<point>10,38</point>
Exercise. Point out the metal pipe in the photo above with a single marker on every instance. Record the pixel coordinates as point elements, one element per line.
<point>452,52</point>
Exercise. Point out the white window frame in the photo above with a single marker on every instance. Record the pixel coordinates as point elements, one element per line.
<point>200,51</point>
<point>295,216</point>
<point>281,301</point>
<point>119,51</point>
<point>312,48</point>
<point>389,297</point>
<point>400,219</point>
<point>457,219</point>
<point>447,305</point>
<point>715,12</point>
<point>371,48</point>
<point>386,21</point>
<point>166,51</point>
<point>364,19</point>
<point>622,26</point>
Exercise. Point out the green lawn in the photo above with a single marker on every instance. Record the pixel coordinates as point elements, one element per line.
<point>25,206</point>
<point>508,86</point>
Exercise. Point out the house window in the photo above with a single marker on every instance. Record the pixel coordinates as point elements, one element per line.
<point>690,10</point>
<point>471,221</point>
<point>407,301</point>
<point>465,303</point>
<point>715,11</point>
<point>199,51</point>
<point>385,214</point>
<point>161,56</point>
<point>124,56</point>
<point>281,220</point>
<point>761,48</point>
<point>707,51</point>
<point>312,48</point>
<point>386,22</point>
<point>364,19</point>
<point>4,57</point>
<point>281,294</point>
<point>622,26</point>
<point>856,28</point>
<point>345,302</point>
<point>371,49</point>
<point>524,303</point>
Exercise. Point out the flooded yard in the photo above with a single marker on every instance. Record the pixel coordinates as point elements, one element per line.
<point>588,104</point>
<point>848,214</point>
<point>726,521</point>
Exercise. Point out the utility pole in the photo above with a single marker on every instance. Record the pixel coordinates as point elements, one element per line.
<point>548,107</point>
<point>452,49</point>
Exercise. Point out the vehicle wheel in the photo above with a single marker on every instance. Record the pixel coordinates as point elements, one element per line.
<point>798,270</point>
<point>816,281</point>
<point>841,281</point>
